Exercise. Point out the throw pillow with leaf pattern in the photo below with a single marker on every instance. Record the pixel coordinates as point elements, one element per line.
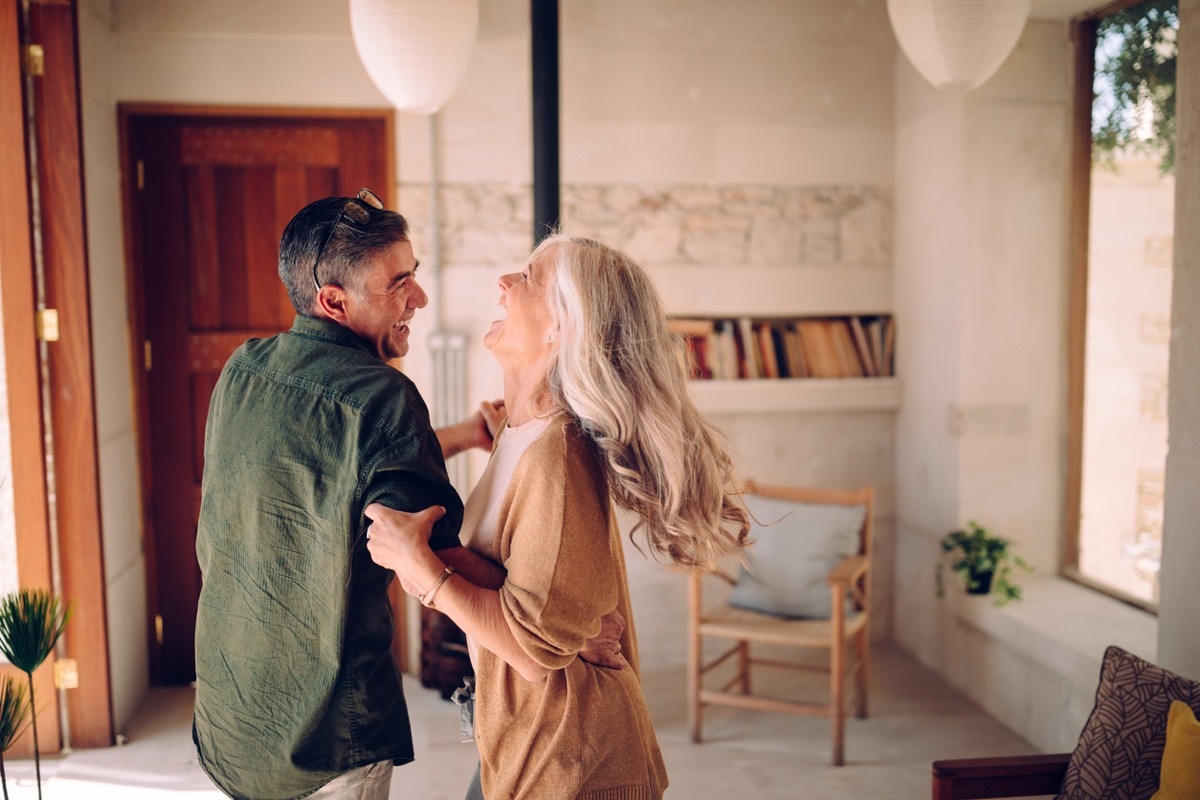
<point>1121,747</point>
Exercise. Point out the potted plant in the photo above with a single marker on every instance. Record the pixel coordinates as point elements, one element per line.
<point>983,561</point>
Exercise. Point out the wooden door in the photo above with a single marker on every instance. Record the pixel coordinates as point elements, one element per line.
<point>209,197</point>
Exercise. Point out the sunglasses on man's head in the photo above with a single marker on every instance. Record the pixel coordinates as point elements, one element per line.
<point>356,211</point>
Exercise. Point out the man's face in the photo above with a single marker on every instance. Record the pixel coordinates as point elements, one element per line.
<point>380,310</point>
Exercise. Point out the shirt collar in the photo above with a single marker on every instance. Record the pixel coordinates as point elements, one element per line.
<point>329,331</point>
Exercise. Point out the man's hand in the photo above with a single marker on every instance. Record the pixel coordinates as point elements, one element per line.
<point>494,415</point>
<point>399,541</point>
<point>604,649</point>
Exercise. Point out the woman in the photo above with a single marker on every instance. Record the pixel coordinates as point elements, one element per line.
<point>598,414</point>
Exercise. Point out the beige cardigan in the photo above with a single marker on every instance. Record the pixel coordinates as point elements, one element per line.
<point>584,731</point>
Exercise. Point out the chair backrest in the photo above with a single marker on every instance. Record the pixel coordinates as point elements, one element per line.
<point>864,496</point>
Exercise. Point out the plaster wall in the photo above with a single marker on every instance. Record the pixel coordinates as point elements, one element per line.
<point>664,93</point>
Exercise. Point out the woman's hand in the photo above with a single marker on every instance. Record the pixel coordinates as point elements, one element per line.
<point>399,541</point>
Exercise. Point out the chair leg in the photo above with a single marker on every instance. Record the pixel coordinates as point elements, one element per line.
<point>695,655</point>
<point>744,666</point>
<point>837,702</point>
<point>864,652</point>
<point>693,689</point>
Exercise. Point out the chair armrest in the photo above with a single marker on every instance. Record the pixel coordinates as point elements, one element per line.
<point>1007,776</point>
<point>848,569</point>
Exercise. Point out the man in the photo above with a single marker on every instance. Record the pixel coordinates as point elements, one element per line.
<point>296,688</point>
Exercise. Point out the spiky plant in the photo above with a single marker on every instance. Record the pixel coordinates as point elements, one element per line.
<point>31,620</point>
<point>12,720</point>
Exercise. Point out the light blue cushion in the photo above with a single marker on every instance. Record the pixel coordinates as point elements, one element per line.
<point>796,545</point>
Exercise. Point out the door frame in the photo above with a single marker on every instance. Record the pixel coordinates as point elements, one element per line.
<point>50,384</point>
<point>128,114</point>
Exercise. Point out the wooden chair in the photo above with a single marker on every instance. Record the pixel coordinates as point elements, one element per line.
<point>1005,776</point>
<point>845,635</point>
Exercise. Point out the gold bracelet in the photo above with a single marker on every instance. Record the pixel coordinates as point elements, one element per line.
<point>427,598</point>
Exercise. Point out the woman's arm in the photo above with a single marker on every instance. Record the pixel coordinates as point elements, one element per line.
<point>398,541</point>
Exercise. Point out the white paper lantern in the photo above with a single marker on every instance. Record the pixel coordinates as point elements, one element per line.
<point>957,43</point>
<point>415,51</point>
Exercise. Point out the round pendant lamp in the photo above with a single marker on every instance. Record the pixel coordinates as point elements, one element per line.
<point>415,51</point>
<point>957,43</point>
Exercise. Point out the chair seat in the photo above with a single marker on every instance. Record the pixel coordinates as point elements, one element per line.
<point>728,622</point>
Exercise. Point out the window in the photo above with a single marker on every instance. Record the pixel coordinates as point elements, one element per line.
<point>1121,297</point>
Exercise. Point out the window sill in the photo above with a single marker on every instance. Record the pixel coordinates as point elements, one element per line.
<point>1063,626</point>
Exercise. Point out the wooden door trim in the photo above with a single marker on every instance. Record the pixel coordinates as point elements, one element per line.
<point>20,357</point>
<point>129,115</point>
<point>72,388</point>
<point>69,362</point>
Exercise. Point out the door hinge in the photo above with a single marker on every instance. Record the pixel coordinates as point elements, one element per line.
<point>47,324</point>
<point>35,60</point>
<point>66,674</point>
<point>146,354</point>
<point>141,175</point>
<point>158,628</point>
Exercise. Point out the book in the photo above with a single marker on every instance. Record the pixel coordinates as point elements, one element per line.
<point>768,360</point>
<point>875,341</point>
<point>843,344</point>
<point>779,345</point>
<point>819,352</point>
<point>889,346</point>
<point>727,350</point>
<point>750,357</point>
<point>863,347</point>
<point>796,363</point>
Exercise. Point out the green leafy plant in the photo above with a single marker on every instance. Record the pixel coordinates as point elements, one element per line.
<point>13,721</point>
<point>31,621</point>
<point>983,561</point>
<point>1136,53</point>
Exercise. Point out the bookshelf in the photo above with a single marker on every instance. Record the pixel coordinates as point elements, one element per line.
<point>755,364</point>
<point>750,348</point>
<point>808,394</point>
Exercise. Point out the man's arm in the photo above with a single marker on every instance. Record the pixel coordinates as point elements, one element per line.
<point>477,430</point>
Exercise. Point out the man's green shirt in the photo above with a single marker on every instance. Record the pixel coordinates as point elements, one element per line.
<point>295,679</point>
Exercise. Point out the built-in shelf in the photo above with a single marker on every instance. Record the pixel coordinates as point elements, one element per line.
<point>797,394</point>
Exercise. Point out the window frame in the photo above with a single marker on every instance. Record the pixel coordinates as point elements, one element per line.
<point>1084,38</point>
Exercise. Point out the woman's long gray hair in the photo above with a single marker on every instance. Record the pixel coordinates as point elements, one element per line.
<point>622,373</point>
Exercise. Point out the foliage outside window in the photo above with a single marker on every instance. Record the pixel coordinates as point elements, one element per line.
<point>1135,83</point>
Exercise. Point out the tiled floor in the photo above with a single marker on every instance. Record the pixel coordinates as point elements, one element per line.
<point>746,755</point>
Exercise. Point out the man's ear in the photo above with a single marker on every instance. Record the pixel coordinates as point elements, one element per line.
<point>331,303</point>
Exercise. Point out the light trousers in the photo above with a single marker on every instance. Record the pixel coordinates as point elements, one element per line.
<point>372,782</point>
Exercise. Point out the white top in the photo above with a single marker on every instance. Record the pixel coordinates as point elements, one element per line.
<point>481,515</point>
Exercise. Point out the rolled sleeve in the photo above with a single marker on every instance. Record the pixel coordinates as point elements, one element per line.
<point>561,576</point>
<point>411,476</point>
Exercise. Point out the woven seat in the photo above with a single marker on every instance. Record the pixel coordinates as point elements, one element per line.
<point>845,636</point>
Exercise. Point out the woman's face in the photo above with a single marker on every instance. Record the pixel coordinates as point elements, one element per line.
<point>523,338</point>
